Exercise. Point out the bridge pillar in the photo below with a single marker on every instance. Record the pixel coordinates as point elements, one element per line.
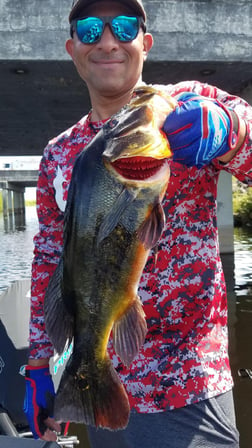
<point>13,206</point>
<point>5,208</point>
<point>19,208</point>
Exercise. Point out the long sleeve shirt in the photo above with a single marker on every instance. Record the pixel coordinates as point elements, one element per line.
<point>185,355</point>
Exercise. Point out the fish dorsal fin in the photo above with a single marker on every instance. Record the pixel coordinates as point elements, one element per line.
<point>151,229</point>
<point>112,218</point>
<point>129,332</point>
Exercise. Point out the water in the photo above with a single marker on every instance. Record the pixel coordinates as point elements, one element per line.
<point>16,250</point>
<point>243,261</point>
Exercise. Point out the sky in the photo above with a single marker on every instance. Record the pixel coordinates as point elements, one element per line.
<point>31,162</point>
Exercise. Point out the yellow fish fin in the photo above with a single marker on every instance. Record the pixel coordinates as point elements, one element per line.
<point>151,229</point>
<point>129,332</point>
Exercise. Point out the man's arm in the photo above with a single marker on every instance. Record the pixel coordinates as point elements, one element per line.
<point>38,362</point>
<point>39,396</point>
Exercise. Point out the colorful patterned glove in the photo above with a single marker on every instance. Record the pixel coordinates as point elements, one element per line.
<point>39,398</point>
<point>200,129</point>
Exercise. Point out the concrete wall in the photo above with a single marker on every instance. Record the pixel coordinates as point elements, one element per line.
<point>185,29</point>
<point>37,29</point>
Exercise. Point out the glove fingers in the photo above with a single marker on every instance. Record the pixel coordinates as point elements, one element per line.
<point>31,410</point>
<point>42,422</point>
<point>197,130</point>
<point>49,397</point>
<point>180,132</point>
<point>39,399</point>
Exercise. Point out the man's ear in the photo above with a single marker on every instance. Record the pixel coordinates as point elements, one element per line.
<point>147,44</point>
<point>69,47</point>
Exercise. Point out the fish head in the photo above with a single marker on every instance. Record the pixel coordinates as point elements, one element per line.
<point>136,150</point>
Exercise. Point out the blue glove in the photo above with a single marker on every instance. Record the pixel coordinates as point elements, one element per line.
<point>199,130</point>
<point>39,398</point>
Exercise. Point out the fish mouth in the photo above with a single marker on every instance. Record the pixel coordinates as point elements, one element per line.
<point>138,168</point>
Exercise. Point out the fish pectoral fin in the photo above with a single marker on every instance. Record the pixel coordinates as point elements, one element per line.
<point>151,229</point>
<point>129,332</point>
<point>112,218</point>
<point>58,321</point>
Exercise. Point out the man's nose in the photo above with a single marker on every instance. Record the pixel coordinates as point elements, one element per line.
<point>108,40</point>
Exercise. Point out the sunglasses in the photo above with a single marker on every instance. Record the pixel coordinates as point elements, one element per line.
<point>90,29</point>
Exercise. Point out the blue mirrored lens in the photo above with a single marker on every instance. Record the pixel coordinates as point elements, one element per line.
<point>89,30</point>
<point>125,28</point>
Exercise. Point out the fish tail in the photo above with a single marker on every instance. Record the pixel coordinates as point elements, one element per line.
<point>111,401</point>
<point>97,399</point>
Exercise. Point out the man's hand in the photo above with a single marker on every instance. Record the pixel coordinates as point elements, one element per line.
<point>38,403</point>
<point>200,129</point>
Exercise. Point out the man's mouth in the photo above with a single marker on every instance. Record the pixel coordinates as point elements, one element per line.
<point>107,61</point>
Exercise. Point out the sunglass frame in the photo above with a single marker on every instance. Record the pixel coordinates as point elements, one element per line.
<point>107,20</point>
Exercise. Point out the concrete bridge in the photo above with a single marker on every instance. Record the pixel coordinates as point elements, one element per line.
<point>41,93</point>
<point>18,178</point>
<point>13,184</point>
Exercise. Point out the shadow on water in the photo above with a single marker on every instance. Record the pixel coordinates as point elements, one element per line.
<point>238,274</point>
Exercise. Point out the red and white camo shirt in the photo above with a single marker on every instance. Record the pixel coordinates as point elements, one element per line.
<point>185,355</point>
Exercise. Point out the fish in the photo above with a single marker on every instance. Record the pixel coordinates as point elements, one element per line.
<point>113,218</point>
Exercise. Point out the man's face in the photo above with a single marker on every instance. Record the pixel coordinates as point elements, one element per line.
<point>109,67</point>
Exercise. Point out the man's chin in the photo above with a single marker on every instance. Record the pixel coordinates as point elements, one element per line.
<point>111,88</point>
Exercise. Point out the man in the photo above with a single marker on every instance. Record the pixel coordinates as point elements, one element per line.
<point>180,385</point>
